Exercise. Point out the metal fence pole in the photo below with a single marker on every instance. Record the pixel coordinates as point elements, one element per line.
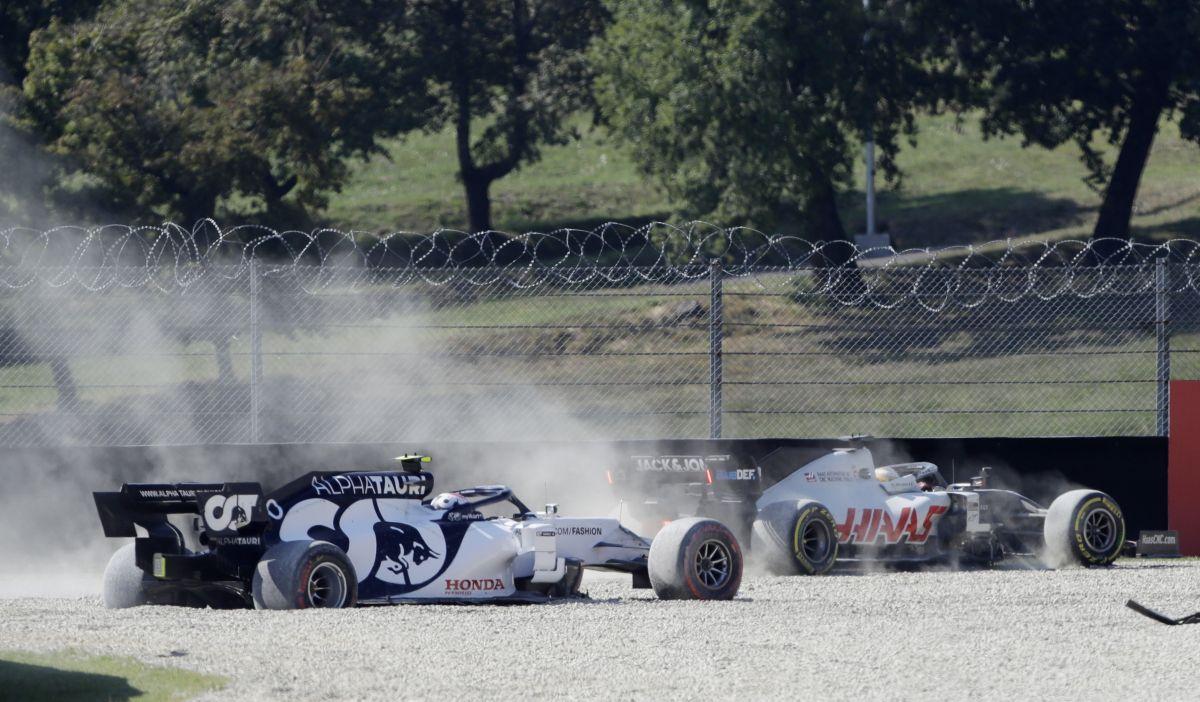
<point>715,337</point>
<point>256,370</point>
<point>1162,334</point>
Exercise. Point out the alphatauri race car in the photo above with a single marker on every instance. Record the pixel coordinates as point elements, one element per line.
<point>842,507</point>
<point>337,539</point>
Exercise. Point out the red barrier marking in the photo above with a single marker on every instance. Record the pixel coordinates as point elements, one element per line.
<point>1183,465</point>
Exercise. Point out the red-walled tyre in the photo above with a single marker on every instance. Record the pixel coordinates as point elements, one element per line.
<point>123,580</point>
<point>303,575</point>
<point>695,559</point>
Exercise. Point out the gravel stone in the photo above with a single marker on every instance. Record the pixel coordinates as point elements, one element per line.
<point>982,634</point>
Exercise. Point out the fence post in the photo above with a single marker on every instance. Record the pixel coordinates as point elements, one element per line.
<point>715,338</point>
<point>1162,334</point>
<point>255,355</point>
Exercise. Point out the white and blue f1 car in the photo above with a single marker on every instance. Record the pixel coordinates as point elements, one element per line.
<point>337,539</point>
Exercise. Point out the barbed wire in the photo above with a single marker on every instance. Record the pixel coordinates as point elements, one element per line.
<point>160,335</point>
<point>172,257</point>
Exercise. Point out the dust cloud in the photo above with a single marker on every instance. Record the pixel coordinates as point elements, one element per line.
<point>143,372</point>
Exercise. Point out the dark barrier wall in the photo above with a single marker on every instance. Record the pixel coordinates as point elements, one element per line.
<point>1131,469</point>
<point>52,486</point>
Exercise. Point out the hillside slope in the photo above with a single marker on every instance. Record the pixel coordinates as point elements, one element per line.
<point>957,187</point>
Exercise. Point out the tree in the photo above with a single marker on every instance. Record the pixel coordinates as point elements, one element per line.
<point>752,110</point>
<point>19,19</point>
<point>1079,70</point>
<point>507,74</point>
<point>26,166</point>
<point>175,107</point>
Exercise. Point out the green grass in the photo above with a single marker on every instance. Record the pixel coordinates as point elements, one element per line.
<point>960,188</point>
<point>957,188</point>
<point>70,677</point>
<point>415,188</point>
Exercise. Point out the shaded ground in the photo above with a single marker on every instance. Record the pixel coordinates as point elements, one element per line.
<point>72,677</point>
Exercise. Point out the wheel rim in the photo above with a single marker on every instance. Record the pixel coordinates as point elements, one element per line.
<point>714,564</point>
<point>326,587</point>
<point>1099,530</point>
<point>815,541</point>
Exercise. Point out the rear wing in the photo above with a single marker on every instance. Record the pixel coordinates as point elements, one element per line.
<point>735,472</point>
<point>659,478</point>
<point>223,506</point>
<point>656,489</point>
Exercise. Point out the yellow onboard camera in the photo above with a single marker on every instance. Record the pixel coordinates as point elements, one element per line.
<point>411,462</point>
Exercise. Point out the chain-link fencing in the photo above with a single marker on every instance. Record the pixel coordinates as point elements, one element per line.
<point>122,336</point>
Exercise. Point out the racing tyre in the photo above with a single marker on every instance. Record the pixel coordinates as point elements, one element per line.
<point>695,559</point>
<point>1083,527</point>
<point>123,580</point>
<point>304,574</point>
<point>796,538</point>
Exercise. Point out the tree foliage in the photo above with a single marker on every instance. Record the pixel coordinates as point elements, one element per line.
<point>173,107</point>
<point>1082,71</point>
<point>19,19</point>
<point>506,74</point>
<point>744,110</point>
<point>752,110</point>
<point>26,164</point>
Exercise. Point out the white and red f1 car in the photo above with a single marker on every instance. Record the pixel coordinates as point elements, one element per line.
<point>340,538</point>
<point>843,507</point>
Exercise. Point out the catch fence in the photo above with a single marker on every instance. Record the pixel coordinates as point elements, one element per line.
<point>121,336</point>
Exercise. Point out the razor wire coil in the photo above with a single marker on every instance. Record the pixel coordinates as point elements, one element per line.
<point>172,258</point>
<point>165,334</point>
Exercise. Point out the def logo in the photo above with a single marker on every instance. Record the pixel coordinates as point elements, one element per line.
<point>228,512</point>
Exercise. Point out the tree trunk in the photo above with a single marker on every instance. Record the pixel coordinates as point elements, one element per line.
<point>842,279</point>
<point>1117,209</point>
<point>825,222</point>
<point>279,212</point>
<point>477,178</point>
<point>479,202</point>
<point>68,394</point>
<point>224,360</point>
<point>196,207</point>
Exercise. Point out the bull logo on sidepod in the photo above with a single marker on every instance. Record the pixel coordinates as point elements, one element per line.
<point>402,546</point>
<point>389,555</point>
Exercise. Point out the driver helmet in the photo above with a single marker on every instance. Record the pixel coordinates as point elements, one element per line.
<point>886,473</point>
<point>449,500</point>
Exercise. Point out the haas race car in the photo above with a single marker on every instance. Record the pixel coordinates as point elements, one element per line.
<point>337,539</point>
<point>842,507</point>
